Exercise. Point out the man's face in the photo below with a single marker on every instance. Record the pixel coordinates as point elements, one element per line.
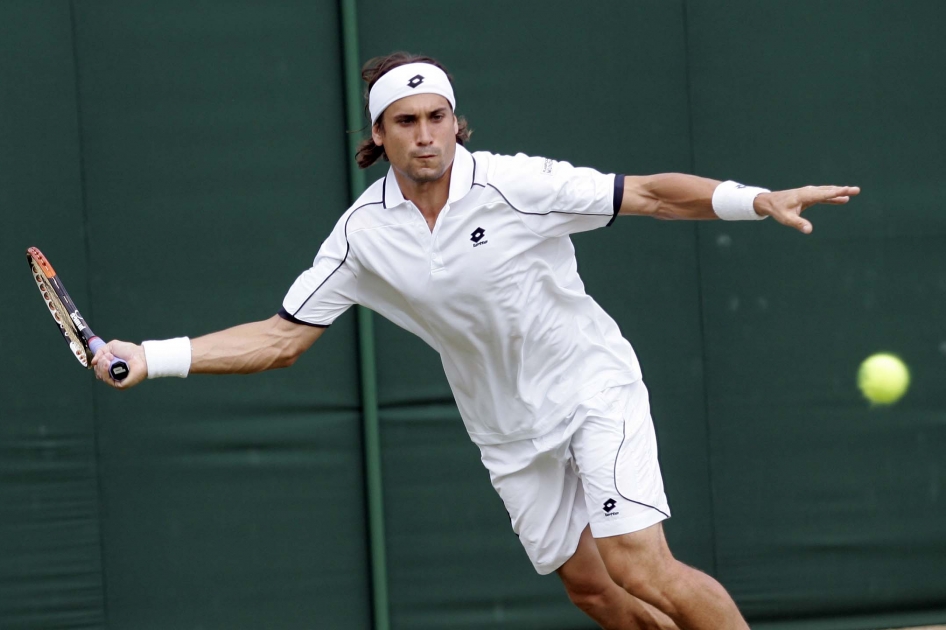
<point>419,136</point>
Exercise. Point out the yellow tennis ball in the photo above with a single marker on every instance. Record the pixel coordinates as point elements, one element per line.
<point>883,378</point>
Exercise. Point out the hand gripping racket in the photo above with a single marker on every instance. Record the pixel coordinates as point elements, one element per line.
<point>82,341</point>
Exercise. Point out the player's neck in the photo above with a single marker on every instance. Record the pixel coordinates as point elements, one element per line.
<point>429,197</point>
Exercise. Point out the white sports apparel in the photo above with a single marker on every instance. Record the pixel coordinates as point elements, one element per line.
<point>408,80</point>
<point>494,288</point>
<point>598,466</point>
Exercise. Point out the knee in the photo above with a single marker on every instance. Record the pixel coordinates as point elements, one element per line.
<point>639,583</point>
<point>588,595</point>
<point>650,581</point>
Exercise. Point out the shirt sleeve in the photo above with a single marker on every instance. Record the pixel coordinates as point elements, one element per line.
<point>556,198</point>
<point>328,288</point>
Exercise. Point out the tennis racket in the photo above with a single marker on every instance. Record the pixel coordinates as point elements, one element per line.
<point>82,341</point>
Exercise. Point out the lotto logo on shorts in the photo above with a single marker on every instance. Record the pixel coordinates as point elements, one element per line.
<point>608,506</point>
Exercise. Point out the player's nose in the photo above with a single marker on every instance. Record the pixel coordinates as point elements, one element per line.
<point>424,137</point>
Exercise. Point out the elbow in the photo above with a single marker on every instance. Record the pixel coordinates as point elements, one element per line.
<point>286,359</point>
<point>287,341</point>
<point>291,358</point>
<point>288,355</point>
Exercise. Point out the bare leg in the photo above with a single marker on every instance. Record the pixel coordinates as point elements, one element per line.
<point>591,589</point>
<point>641,563</point>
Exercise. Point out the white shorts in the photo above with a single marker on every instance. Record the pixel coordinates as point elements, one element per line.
<point>598,466</point>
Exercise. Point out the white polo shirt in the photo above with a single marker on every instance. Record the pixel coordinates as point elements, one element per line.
<point>494,288</point>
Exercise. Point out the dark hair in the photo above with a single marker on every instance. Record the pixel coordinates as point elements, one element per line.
<point>368,152</point>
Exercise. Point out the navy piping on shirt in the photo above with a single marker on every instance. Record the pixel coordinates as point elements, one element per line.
<point>542,214</point>
<point>286,315</point>
<point>616,201</point>
<point>618,197</point>
<point>347,250</point>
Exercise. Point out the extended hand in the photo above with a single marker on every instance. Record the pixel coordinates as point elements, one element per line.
<point>786,206</point>
<point>133,354</point>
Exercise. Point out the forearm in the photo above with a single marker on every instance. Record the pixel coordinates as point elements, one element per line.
<point>669,196</point>
<point>679,196</point>
<point>249,348</point>
<point>272,343</point>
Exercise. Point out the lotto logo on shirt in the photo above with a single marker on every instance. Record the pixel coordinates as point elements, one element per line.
<point>477,237</point>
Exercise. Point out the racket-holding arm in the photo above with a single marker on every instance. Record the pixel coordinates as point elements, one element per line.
<point>245,349</point>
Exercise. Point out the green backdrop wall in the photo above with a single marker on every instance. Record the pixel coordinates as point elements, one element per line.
<point>181,163</point>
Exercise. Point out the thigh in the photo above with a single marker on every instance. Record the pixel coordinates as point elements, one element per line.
<point>544,499</point>
<point>615,451</point>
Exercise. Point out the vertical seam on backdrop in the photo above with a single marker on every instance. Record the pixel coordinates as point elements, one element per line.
<point>88,287</point>
<point>699,294</point>
<point>371,433</point>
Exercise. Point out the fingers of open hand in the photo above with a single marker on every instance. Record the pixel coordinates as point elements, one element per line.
<point>800,224</point>
<point>837,195</point>
<point>792,218</point>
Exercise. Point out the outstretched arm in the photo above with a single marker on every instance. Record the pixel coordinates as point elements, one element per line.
<point>679,196</point>
<point>244,349</point>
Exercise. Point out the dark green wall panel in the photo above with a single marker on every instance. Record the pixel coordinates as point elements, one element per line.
<point>228,517</point>
<point>824,505</point>
<point>214,143</point>
<point>50,562</point>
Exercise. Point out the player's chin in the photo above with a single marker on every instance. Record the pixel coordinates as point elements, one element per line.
<point>427,174</point>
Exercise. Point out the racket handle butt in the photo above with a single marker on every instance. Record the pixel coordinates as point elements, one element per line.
<point>118,368</point>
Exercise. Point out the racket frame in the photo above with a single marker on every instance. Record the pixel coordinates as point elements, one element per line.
<point>75,330</point>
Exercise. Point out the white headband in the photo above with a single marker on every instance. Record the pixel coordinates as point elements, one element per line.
<point>408,80</point>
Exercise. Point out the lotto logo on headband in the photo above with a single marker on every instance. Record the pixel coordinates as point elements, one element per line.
<point>408,80</point>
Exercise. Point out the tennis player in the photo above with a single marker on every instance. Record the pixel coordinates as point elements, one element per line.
<point>471,252</point>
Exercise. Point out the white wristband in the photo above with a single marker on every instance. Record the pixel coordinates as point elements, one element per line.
<point>733,201</point>
<point>171,357</point>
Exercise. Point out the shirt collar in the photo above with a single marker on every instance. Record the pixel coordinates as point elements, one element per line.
<point>461,180</point>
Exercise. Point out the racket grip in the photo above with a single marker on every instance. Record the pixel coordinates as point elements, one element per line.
<point>118,369</point>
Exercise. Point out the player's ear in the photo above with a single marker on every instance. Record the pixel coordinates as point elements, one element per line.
<point>456,124</point>
<point>377,133</point>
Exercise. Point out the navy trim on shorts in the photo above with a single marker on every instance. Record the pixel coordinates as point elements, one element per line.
<point>615,475</point>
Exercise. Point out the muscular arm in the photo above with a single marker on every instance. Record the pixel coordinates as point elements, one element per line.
<point>669,196</point>
<point>254,347</point>
<point>244,349</point>
<point>680,196</point>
